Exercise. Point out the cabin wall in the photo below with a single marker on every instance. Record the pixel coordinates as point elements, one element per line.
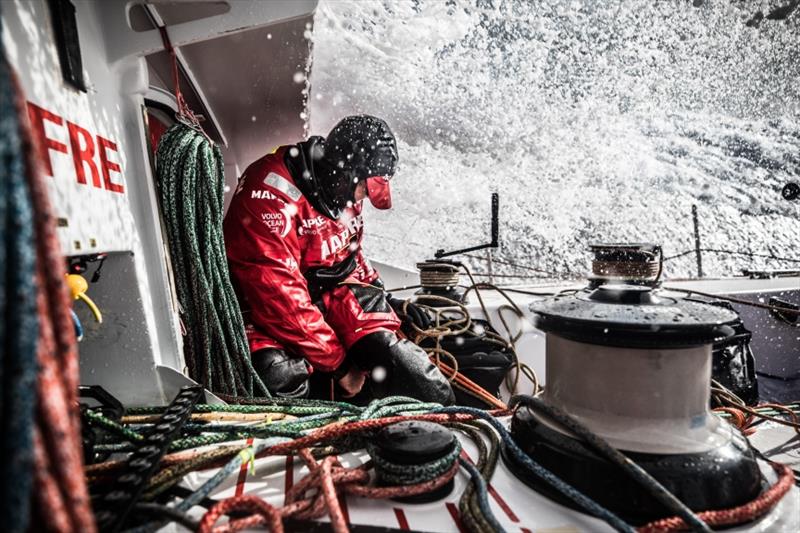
<point>113,212</point>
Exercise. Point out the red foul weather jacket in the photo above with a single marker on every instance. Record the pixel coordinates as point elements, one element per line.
<point>273,236</point>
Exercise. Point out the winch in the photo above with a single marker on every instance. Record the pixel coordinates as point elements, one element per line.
<point>439,283</point>
<point>633,363</point>
<point>633,263</point>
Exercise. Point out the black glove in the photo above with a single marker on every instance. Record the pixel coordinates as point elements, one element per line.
<point>410,313</point>
<point>285,376</point>
<point>408,369</point>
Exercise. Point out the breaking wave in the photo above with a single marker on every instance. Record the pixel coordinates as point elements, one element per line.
<point>595,121</point>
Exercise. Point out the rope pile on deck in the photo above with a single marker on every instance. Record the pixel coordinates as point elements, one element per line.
<point>318,432</point>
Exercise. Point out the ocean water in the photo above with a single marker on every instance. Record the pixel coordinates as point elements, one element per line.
<point>594,121</point>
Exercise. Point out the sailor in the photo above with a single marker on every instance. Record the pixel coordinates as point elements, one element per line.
<point>315,310</point>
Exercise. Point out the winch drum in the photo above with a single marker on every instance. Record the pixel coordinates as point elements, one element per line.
<point>642,400</point>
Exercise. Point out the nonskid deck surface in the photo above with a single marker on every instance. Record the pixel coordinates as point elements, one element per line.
<point>517,507</point>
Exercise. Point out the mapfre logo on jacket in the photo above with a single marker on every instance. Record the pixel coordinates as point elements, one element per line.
<point>267,193</point>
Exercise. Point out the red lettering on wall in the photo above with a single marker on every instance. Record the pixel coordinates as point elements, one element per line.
<point>82,143</point>
<point>83,155</point>
<point>37,116</point>
<point>108,166</point>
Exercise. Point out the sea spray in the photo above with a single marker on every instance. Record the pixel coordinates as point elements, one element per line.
<point>593,120</point>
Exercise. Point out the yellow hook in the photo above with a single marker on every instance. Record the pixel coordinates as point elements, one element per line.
<point>77,288</point>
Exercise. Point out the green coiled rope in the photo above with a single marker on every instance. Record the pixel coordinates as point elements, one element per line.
<point>191,180</point>
<point>409,474</point>
<point>299,410</point>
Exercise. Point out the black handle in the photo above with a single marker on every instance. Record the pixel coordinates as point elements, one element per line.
<point>495,233</point>
<point>495,220</point>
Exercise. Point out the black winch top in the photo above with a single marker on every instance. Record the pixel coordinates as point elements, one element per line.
<point>414,441</point>
<point>637,251</point>
<point>633,316</point>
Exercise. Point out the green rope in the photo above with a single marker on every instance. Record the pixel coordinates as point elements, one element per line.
<point>470,505</point>
<point>296,410</point>
<point>393,405</point>
<point>97,419</point>
<point>191,179</point>
<point>312,415</point>
<point>19,320</point>
<point>399,474</point>
<point>794,407</point>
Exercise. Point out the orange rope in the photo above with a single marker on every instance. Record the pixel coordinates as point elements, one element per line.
<point>61,497</point>
<point>469,385</point>
<point>739,419</point>
<point>737,515</point>
<point>744,417</point>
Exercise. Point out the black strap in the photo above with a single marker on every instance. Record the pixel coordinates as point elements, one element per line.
<point>115,505</point>
<point>322,279</point>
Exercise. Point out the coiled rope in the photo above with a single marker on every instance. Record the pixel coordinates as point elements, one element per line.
<point>60,496</point>
<point>454,320</point>
<point>19,324</point>
<point>347,429</point>
<point>433,275</point>
<point>190,177</point>
<point>451,321</point>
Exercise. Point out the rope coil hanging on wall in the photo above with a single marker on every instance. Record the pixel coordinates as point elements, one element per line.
<point>190,177</point>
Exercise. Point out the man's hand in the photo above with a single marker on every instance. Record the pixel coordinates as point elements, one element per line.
<point>352,382</point>
<point>410,313</point>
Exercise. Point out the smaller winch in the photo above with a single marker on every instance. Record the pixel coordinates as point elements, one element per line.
<point>439,280</point>
<point>635,264</point>
<point>412,451</point>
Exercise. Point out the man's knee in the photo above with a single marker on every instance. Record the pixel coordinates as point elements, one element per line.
<point>285,376</point>
<point>400,368</point>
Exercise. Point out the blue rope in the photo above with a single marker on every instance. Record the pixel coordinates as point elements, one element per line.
<point>583,501</point>
<point>19,322</point>
<point>650,484</point>
<point>78,325</point>
<point>222,474</point>
<point>483,494</point>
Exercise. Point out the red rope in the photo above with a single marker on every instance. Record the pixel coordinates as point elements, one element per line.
<point>737,515</point>
<point>61,498</point>
<point>739,419</point>
<point>183,108</point>
<point>326,476</point>
<point>314,496</point>
<point>335,431</point>
<point>266,513</point>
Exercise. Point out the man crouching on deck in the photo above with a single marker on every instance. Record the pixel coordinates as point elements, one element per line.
<point>315,310</point>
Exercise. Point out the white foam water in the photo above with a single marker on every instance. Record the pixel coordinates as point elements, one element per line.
<point>595,121</point>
